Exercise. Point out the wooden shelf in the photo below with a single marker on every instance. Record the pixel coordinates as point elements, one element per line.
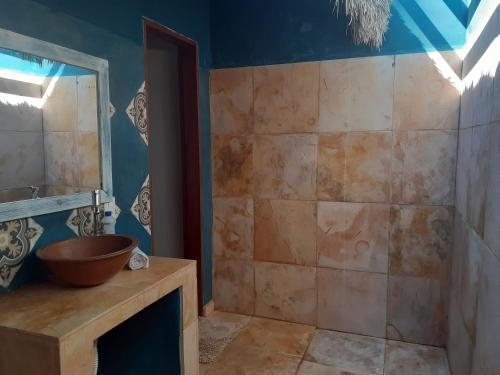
<point>50,329</point>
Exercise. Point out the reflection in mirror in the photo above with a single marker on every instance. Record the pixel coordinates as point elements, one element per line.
<point>49,138</point>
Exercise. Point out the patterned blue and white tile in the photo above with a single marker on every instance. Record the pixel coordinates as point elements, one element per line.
<point>81,221</point>
<point>141,208</point>
<point>17,239</point>
<point>137,112</point>
<point>112,110</point>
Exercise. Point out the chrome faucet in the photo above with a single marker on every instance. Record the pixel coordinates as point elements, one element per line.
<point>96,209</point>
<point>34,191</point>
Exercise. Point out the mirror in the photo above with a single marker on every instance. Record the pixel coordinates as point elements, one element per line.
<point>49,142</point>
<point>54,127</point>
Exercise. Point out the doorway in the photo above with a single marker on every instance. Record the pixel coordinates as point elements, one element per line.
<point>171,82</point>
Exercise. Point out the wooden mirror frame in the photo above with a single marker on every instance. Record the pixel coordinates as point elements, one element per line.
<point>39,206</point>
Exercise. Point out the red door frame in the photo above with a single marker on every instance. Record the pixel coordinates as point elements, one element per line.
<point>189,108</point>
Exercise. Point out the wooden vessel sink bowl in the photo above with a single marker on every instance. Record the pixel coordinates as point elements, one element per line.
<point>87,261</point>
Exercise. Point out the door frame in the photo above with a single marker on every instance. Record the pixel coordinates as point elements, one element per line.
<point>190,134</point>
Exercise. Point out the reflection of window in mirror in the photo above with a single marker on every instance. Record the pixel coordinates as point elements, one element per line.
<point>49,143</point>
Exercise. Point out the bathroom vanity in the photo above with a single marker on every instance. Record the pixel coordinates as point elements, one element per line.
<point>52,329</point>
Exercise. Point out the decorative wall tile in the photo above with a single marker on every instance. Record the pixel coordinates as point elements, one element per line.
<point>285,166</point>
<point>416,310</point>
<point>81,222</point>
<point>232,166</point>
<point>420,242</point>
<point>368,167</point>
<point>285,231</point>
<point>331,166</point>
<point>352,301</point>
<point>286,98</point>
<point>17,239</point>
<point>346,354</point>
<point>463,171</point>
<point>234,285</point>
<point>410,359</point>
<point>233,228</point>
<point>231,101</point>
<point>423,169</point>
<point>137,112</point>
<point>112,110</point>
<point>353,236</point>
<point>285,292</point>
<point>356,94</point>
<point>479,175</point>
<point>424,97</point>
<point>141,208</point>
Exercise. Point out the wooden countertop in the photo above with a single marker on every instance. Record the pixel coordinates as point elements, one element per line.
<point>56,311</point>
<point>51,329</point>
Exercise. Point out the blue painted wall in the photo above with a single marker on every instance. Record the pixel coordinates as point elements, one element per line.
<point>261,32</point>
<point>113,30</point>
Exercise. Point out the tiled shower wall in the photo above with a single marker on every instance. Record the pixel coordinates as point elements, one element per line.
<point>474,324</point>
<point>333,186</point>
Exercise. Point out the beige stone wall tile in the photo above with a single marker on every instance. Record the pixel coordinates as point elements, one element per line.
<point>233,285</point>
<point>485,358</point>
<point>286,98</point>
<point>368,167</point>
<point>285,166</point>
<point>463,171</point>
<point>231,101</point>
<point>285,292</point>
<point>424,98</point>
<point>61,107</point>
<point>479,176</point>
<point>232,170</point>
<point>353,236</point>
<point>492,214</point>
<point>352,301</point>
<point>417,310</point>
<point>460,345</point>
<point>331,166</point>
<point>356,94</point>
<point>423,167</point>
<point>285,231</point>
<point>61,159</point>
<point>87,103</point>
<point>233,228</point>
<point>88,160</point>
<point>420,242</point>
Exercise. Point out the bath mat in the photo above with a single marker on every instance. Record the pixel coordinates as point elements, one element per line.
<point>215,334</point>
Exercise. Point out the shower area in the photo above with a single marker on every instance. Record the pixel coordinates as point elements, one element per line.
<point>356,214</point>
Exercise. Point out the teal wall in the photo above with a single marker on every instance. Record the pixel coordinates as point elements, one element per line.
<point>261,32</point>
<point>113,30</point>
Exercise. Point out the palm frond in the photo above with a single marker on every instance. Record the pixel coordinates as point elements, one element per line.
<point>368,20</point>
